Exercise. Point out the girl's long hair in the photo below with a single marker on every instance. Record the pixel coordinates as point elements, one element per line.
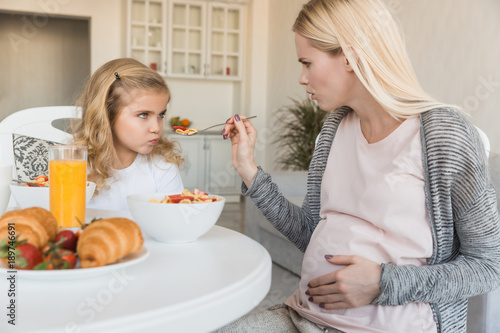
<point>105,94</point>
<point>365,31</point>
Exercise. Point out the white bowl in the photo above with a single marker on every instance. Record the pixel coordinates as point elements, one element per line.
<point>27,196</point>
<point>173,223</point>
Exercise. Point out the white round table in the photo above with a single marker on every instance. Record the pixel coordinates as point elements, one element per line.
<point>190,287</point>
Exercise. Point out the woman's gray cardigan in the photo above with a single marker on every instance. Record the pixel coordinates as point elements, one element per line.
<point>462,209</point>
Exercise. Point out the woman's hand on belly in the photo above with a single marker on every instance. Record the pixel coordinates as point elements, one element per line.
<point>355,285</point>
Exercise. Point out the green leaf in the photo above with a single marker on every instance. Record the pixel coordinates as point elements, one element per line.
<point>301,123</point>
<point>41,266</point>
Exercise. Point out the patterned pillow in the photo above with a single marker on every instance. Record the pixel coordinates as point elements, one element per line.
<point>31,156</point>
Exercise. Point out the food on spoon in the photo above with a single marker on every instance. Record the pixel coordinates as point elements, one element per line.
<point>104,241</point>
<point>36,225</point>
<point>41,181</point>
<point>182,128</point>
<point>188,197</point>
<point>22,254</point>
<point>186,131</point>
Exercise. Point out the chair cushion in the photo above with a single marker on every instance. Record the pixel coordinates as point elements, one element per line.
<point>31,156</point>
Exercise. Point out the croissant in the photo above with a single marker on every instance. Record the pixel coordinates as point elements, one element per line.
<point>105,241</point>
<point>35,224</point>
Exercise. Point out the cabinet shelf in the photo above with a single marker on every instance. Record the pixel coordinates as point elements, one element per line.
<point>179,50</point>
<point>195,38</point>
<point>187,27</point>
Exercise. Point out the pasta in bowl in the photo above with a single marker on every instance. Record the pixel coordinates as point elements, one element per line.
<point>175,220</point>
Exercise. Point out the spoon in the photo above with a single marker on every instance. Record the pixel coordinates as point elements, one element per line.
<point>29,183</point>
<point>203,130</point>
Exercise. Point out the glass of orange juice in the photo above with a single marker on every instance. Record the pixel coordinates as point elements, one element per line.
<point>67,184</point>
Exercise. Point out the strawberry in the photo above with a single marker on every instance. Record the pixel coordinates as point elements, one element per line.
<point>55,257</point>
<point>177,199</point>
<point>67,238</point>
<point>183,128</point>
<point>198,192</point>
<point>23,254</point>
<point>29,256</point>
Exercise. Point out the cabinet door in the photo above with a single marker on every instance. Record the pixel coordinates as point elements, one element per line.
<point>225,40</point>
<point>193,170</point>
<point>146,32</point>
<point>187,38</point>
<point>222,178</point>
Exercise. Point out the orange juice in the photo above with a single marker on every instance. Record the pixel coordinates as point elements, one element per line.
<point>67,184</point>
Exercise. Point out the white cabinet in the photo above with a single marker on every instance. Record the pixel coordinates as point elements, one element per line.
<point>208,166</point>
<point>146,32</point>
<point>225,40</point>
<point>188,38</point>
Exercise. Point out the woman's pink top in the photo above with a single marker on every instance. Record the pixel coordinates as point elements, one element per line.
<point>372,205</point>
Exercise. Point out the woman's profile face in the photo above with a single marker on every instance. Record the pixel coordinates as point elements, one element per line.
<point>328,79</point>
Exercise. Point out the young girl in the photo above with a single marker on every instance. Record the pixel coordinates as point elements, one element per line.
<point>123,106</point>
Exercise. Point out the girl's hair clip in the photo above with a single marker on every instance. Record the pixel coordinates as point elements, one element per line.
<point>117,76</point>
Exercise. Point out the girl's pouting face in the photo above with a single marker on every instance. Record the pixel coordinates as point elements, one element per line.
<point>139,124</point>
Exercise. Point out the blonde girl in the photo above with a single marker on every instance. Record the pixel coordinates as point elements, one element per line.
<point>400,223</point>
<point>123,106</point>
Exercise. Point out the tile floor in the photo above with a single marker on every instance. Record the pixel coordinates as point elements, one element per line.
<point>283,282</point>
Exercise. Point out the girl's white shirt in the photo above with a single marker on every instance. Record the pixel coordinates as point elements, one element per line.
<point>144,175</point>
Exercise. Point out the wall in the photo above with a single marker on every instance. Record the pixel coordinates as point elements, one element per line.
<point>107,27</point>
<point>203,102</point>
<point>256,87</point>
<point>106,21</point>
<point>453,44</point>
<point>284,68</point>
<point>43,62</point>
<point>456,53</point>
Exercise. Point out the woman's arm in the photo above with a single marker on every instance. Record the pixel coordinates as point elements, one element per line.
<point>475,270</point>
<point>293,222</point>
<point>463,211</point>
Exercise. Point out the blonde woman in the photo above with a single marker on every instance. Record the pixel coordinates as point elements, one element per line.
<point>123,106</point>
<point>400,223</point>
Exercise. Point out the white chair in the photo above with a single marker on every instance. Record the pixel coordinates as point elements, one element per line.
<point>36,122</point>
<point>486,141</point>
<point>42,122</point>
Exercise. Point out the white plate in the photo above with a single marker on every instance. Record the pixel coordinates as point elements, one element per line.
<point>80,273</point>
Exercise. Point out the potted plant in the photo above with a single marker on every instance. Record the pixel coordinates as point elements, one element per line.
<point>301,124</point>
